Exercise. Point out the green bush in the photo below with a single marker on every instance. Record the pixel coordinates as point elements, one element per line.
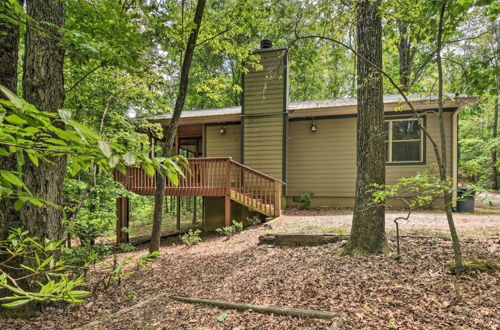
<point>88,226</point>
<point>231,230</point>
<point>305,202</point>
<point>28,259</point>
<point>192,237</point>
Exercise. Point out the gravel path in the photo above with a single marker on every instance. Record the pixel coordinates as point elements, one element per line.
<point>421,223</point>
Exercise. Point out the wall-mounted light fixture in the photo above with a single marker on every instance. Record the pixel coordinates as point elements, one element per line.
<point>222,130</point>
<point>314,128</point>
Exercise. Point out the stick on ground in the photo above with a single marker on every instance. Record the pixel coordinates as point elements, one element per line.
<point>266,309</point>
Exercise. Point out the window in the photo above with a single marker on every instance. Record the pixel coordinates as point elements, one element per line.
<point>404,141</point>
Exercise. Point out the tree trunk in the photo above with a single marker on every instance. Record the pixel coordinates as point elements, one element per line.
<point>43,86</point>
<point>494,155</point>
<point>172,127</point>
<point>368,224</point>
<point>9,53</point>
<point>405,58</point>
<point>447,195</point>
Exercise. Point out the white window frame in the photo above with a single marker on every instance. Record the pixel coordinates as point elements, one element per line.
<point>390,142</point>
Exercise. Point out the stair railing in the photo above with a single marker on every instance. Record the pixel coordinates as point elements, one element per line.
<point>214,176</point>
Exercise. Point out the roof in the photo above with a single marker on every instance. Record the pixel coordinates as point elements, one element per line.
<point>338,106</point>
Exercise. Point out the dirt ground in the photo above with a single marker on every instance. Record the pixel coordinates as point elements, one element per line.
<point>484,224</point>
<point>376,292</point>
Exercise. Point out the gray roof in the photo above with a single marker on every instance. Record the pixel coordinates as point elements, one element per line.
<point>302,105</point>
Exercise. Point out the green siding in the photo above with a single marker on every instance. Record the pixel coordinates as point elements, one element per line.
<point>324,163</point>
<point>264,104</point>
<point>223,145</point>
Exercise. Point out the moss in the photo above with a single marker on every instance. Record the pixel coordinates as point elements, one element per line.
<point>480,265</point>
<point>338,231</point>
<point>320,229</point>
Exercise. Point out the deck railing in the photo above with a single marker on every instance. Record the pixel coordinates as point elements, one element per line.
<point>219,176</point>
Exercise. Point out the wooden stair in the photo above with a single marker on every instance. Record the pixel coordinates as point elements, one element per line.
<point>253,203</point>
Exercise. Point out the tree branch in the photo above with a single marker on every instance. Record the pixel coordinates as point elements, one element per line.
<point>84,77</point>
<point>391,80</point>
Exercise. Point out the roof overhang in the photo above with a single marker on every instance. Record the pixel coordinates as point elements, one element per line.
<point>309,109</point>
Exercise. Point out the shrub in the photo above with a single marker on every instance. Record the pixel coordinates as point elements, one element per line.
<point>230,230</point>
<point>192,237</point>
<point>305,202</point>
<point>90,225</point>
<point>26,260</point>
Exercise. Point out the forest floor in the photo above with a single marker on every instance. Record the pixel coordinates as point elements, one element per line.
<point>416,292</point>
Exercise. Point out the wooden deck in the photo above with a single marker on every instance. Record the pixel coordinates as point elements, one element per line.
<point>215,177</point>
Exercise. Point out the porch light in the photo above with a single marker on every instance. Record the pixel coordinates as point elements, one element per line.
<point>222,130</point>
<point>313,126</point>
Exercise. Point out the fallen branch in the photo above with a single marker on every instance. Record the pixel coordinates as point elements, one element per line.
<point>299,239</point>
<point>120,312</point>
<point>265,309</point>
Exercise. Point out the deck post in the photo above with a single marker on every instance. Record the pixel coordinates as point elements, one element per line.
<point>277,198</point>
<point>203,212</point>
<point>194,209</point>
<point>227,197</point>
<point>178,225</point>
<point>123,217</point>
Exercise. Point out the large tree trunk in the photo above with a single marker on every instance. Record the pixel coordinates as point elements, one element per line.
<point>172,127</point>
<point>43,86</point>
<point>9,52</point>
<point>368,224</point>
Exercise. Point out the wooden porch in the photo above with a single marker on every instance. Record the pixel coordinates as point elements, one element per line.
<point>208,177</point>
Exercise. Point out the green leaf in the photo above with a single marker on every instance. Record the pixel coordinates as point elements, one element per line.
<point>113,161</point>
<point>4,152</point>
<point>15,119</point>
<point>12,97</point>
<point>11,178</point>
<point>149,169</point>
<point>80,293</point>
<point>18,205</point>
<point>56,141</point>
<point>75,168</point>
<point>16,303</point>
<point>129,158</point>
<point>105,148</point>
<point>65,115</point>
<point>32,156</point>
<point>173,177</point>
<point>222,317</point>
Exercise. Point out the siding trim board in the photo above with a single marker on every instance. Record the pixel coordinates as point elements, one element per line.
<point>227,123</point>
<point>205,140</point>
<point>353,115</point>
<point>242,116</point>
<point>285,123</point>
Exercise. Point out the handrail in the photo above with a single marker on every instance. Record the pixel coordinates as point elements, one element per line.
<point>255,171</point>
<point>214,176</point>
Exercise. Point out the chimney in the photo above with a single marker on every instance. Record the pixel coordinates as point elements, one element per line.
<point>264,118</point>
<point>266,43</point>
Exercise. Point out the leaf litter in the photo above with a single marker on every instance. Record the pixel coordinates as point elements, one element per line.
<point>416,292</point>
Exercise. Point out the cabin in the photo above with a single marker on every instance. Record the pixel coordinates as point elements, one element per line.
<point>262,156</point>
